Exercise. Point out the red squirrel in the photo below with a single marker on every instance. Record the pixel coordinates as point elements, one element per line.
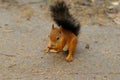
<point>63,37</point>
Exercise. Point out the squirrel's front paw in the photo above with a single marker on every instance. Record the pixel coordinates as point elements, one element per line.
<point>69,58</point>
<point>47,50</point>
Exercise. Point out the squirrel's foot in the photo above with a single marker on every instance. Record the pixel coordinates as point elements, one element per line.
<point>69,58</point>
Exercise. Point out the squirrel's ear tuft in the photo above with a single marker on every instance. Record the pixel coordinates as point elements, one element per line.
<point>53,26</point>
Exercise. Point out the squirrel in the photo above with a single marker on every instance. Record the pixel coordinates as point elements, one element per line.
<point>63,37</point>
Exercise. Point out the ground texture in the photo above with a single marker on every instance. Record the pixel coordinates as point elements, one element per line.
<point>24,29</point>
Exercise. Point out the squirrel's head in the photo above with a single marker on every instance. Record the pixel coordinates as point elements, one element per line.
<point>55,34</point>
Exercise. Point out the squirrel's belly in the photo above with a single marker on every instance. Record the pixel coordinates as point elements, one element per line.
<point>65,48</point>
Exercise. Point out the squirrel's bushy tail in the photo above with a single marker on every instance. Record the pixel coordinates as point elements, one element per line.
<point>63,18</point>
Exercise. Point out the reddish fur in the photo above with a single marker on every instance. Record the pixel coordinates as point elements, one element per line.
<point>66,38</point>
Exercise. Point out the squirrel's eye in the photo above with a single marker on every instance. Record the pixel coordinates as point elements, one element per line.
<point>57,38</point>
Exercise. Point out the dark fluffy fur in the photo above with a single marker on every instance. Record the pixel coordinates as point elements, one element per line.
<point>63,18</point>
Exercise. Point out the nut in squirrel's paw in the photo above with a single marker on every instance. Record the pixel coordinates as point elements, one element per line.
<point>49,49</point>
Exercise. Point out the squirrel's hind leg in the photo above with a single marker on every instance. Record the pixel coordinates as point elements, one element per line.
<point>71,49</point>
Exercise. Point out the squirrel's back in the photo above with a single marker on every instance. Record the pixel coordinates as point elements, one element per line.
<point>63,18</point>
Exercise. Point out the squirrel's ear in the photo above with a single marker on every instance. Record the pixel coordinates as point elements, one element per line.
<point>53,26</point>
<point>60,29</point>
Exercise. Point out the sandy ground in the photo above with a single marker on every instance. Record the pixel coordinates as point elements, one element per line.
<point>24,30</point>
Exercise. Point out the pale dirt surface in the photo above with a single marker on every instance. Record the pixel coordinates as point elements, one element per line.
<point>24,29</point>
